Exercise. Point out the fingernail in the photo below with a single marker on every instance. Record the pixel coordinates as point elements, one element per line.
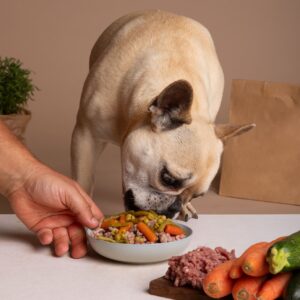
<point>94,221</point>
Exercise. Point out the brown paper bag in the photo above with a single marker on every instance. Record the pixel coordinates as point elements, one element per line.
<point>264,164</point>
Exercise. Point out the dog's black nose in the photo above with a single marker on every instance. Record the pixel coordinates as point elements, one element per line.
<point>129,200</point>
<point>174,208</point>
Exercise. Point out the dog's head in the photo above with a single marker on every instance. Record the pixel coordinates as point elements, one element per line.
<point>173,156</point>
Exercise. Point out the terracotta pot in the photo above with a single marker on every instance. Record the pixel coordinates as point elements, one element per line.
<point>17,123</point>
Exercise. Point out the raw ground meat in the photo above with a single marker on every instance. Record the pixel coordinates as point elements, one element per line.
<point>191,268</point>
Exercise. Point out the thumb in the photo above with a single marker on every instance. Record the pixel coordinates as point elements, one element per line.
<point>82,210</point>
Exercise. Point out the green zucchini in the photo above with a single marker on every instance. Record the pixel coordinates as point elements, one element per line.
<point>292,291</point>
<point>284,255</point>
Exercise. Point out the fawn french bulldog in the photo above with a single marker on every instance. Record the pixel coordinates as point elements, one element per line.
<point>154,88</point>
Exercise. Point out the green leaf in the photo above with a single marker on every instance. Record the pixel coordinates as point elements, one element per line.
<point>16,86</point>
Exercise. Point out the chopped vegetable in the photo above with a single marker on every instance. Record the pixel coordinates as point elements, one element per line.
<point>122,218</point>
<point>145,213</point>
<point>173,230</point>
<point>147,232</point>
<point>138,227</point>
<point>162,224</point>
<point>112,223</point>
<point>106,239</point>
<point>108,222</point>
<point>130,217</point>
<point>125,228</point>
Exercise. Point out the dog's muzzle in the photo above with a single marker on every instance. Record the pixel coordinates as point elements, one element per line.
<point>170,212</point>
<point>129,201</point>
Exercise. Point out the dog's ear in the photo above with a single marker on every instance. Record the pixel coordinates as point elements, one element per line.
<point>227,131</point>
<point>171,108</point>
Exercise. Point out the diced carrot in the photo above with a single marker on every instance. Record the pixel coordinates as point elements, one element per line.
<point>273,288</point>
<point>107,223</point>
<point>217,283</point>
<point>236,270</point>
<point>255,263</point>
<point>125,228</point>
<point>147,232</point>
<point>246,287</point>
<point>173,229</point>
<point>122,218</point>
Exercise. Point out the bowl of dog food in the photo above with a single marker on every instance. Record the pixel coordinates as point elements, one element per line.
<point>139,237</point>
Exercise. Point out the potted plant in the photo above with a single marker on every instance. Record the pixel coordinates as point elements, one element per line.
<point>16,88</point>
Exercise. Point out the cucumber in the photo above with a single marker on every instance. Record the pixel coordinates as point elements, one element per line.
<point>292,291</point>
<point>284,255</point>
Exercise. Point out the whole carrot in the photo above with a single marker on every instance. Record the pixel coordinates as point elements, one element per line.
<point>246,287</point>
<point>236,270</point>
<point>255,263</point>
<point>217,283</point>
<point>274,287</point>
<point>147,232</point>
<point>173,230</point>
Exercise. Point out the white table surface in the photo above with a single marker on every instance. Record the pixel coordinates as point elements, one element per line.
<point>30,271</point>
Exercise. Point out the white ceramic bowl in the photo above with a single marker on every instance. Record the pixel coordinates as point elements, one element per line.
<point>141,253</point>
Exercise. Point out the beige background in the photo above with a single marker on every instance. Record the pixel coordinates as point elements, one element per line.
<point>254,39</point>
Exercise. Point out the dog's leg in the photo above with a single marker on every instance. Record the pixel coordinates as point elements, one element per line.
<point>85,151</point>
<point>187,211</point>
<point>184,214</point>
<point>192,209</point>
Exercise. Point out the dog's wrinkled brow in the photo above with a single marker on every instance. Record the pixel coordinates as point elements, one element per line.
<point>165,168</point>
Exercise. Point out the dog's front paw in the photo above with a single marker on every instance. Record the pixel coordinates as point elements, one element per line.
<point>187,212</point>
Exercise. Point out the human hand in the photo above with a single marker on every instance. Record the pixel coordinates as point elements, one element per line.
<point>55,207</point>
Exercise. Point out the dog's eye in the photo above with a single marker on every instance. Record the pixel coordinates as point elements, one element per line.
<point>168,180</point>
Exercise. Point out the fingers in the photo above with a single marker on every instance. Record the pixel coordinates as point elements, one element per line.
<point>61,241</point>
<point>82,209</point>
<point>78,241</point>
<point>55,221</point>
<point>62,237</point>
<point>95,210</point>
<point>45,236</point>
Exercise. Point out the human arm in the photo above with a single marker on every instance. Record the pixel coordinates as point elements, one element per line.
<point>48,203</point>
